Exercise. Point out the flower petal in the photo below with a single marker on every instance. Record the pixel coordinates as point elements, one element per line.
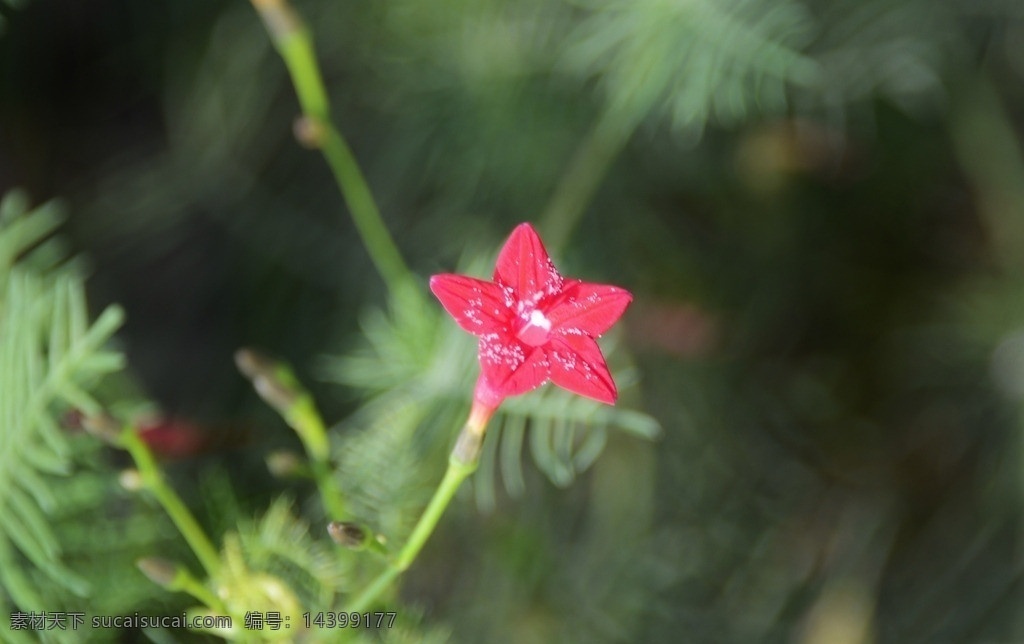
<point>511,367</point>
<point>588,309</point>
<point>524,264</point>
<point>577,365</point>
<point>478,306</point>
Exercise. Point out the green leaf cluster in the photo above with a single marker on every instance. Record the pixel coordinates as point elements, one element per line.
<point>692,60</point>
<point>51,357</point>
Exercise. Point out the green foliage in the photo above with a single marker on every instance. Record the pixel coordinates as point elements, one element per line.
<point>280,544</point>
<point>103,529</point>
<point>692,60</point>
<point>50,356</point>
<point>892,49</point>
<point>566,433</point>
<point>383,471</point>
<point>383,462</point>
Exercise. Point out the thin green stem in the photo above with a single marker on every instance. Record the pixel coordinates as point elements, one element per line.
<point>305,419</point>
<point>457,472</point>
<point>278,386</point>
<point>374,590</point>
<point>194,587</point>
<point>154,481</point>
<point>364,210</point>
<point>334,505</point>
<point>177,578</point>
<point>588,166</point>
<point>295,44</point>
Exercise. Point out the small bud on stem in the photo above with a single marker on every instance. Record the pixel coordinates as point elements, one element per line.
<point>131,480</point>
<point>283,464</point>
<point>347,534</point>
<point>104,427</point>
<point>309,132</point>
<point>159,571</point>
<point>272,380</point>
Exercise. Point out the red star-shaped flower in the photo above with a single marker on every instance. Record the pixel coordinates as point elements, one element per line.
<point>533,325</point>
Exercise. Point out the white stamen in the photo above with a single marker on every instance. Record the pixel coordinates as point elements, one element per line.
<point>537,319</point>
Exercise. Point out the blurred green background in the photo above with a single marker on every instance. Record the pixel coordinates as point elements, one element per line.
<point>818,205</point>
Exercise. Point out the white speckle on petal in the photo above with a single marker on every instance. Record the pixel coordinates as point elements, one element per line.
<point>473,313</point>
<point>555,280</point>
<point>495,352</point>
<point>565,361</point>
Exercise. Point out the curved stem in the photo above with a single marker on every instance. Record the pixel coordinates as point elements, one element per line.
<point>305,419</point>
<point>461,464</point>
<point>365,214</point>
<point>295,44</point>
<point>275,382</point>
<point>171,502</point>
<point>333,503</point>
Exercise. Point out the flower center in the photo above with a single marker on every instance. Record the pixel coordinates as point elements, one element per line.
<point>535,331</point>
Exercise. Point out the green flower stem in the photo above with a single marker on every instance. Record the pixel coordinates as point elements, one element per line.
<point>189,584</point>
<point>364,210</point>
<point>154,481</point>
<point>177,578</point>
<point>589,165</point>
<point>334,505</point>
<point>275,382</point>
<point>460,466</point>
<point>304,418</point>
<point>295,44</point>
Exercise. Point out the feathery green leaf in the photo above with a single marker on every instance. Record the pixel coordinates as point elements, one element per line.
<point>50,356</point>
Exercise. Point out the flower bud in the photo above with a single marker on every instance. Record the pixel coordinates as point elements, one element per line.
<point>284,464</point>
<point>309,132</point>
<point>271,379</point>
<point>252,363</point>
<point>276,393</point>
<point>347,534</point>
<point>131,480</point>
<point>280,19</point>
<point>160,571</point>
<point>104,427</point>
